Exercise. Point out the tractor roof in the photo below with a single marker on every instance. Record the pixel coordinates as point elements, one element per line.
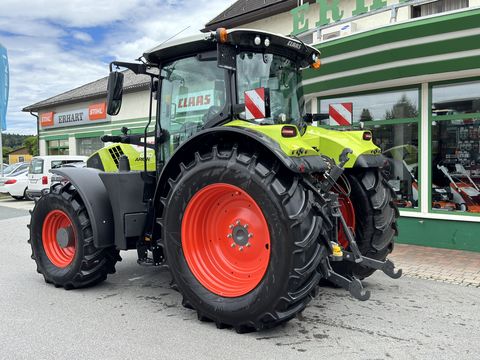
<point>243,38</point>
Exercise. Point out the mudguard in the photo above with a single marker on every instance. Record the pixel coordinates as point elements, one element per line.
<point>95,197</point>
<point>236,135</point>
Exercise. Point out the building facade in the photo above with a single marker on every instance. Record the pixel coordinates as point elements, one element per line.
<point>19,155</point>
<point>72,123</point>
<point>409,70</point>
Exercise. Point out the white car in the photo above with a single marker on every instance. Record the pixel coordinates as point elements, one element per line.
<point>39,175</point>
<point>16,186</point>
<point>14,169</point>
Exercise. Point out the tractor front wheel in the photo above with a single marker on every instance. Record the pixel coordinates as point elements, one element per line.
<point>241,240</point>
<point>371,214</point>
<point>61,239</point>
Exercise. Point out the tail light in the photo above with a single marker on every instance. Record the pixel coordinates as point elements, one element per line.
<point>10,182</point>
<point>367,135</point>
<point>44,180</point>
<point>289,131</point>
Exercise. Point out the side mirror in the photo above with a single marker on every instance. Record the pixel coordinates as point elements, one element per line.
<point>114,92</point>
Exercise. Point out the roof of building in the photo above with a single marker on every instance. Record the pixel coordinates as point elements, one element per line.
<point>90,91</point>
<point>20,151</point>
<point>246,11</point>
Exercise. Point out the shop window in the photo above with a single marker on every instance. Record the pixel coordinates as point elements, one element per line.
<point>437,7</point>
<point>57,147</point>
<point>455,176</point>
<point>401,104</point>
<point>87,146</point>
<point>393,117</point>
<point>21,159</point>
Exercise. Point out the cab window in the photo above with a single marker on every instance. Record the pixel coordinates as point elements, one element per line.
<point>193,92</point>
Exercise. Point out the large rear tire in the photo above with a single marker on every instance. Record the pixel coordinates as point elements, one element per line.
<point>61,239</point>
<point>375,219</point>
<point>252,279</point>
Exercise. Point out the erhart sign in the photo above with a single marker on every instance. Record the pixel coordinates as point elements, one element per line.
<point>95,112</point>
<point>332,11</point>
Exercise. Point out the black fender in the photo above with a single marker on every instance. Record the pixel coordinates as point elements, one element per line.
<point>250,138</point>
<point>95,197</point>
<point>370,161</point>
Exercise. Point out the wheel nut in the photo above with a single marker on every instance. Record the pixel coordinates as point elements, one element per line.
<point>248,244</point>
<point>230,226</point>
<point>233,245</point>
<point>245,226</point>
<point>229,235</point>
<point>238,222</point>
<point>240,248</point>
<point>250,235</point>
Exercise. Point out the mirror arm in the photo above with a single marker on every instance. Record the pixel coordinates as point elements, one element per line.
<point>135,67</point>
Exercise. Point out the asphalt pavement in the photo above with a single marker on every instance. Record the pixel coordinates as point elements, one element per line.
<point>135,314</point>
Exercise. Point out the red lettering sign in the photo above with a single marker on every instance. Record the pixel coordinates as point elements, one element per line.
<point>97,111</point>
<point>46,119</point>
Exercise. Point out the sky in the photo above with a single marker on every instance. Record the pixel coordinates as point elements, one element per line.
<point>57,45</point>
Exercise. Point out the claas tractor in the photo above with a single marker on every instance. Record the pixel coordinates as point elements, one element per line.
<point>248,205</point>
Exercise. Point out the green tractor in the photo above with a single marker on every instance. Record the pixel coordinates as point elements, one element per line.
<point>248,205</point>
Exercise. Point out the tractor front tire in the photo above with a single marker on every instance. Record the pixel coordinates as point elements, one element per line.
<point>241,240</point>
<point>61,239</point>
<point>375,219</point>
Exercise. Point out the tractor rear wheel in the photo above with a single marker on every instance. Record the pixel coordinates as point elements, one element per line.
<point>61,239</point>
<point>241,240</point>
<point>371,213</point>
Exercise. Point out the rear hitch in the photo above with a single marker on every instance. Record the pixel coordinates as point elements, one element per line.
<point>386,266</point>
<point>354,286</point>
<point>355,255</point>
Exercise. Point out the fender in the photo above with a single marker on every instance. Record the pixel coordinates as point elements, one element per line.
<point>332,142</point>
<point>95,197</point>
<point>247,137</point>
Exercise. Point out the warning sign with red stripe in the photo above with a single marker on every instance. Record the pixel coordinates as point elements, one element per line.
<point>257,103</point>
<point>341,114</point>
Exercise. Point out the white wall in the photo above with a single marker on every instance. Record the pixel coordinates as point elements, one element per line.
<point>72,145</point>
<point>42,147</point>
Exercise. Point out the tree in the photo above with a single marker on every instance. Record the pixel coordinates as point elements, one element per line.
<point>6,150</point>
<point>365,115</point>
<point>31,143</point>
<point>403,109</point>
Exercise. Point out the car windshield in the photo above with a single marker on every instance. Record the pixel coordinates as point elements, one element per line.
<point>9,168</point>
<point>280,76</point>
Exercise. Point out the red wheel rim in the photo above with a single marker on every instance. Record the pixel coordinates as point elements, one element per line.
<point>225,240</point>
<point>348,212</point>
<point>54,221</point>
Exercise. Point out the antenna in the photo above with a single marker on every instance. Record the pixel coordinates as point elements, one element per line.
<point>178,33</point>
<point>170,38</point>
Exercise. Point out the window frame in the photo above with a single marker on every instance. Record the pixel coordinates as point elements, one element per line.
<point>430,120</point>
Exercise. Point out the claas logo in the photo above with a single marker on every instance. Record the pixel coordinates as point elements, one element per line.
<point>194,101</point>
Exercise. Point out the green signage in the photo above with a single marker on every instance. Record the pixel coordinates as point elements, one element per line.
<point>330,11</point>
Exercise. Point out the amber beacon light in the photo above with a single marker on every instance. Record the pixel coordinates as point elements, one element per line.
<point>222,35</point>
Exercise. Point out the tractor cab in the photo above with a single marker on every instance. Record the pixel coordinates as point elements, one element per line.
<point>209,80</point>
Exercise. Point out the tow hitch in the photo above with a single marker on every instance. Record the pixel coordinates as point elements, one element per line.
<point>328,198</point>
